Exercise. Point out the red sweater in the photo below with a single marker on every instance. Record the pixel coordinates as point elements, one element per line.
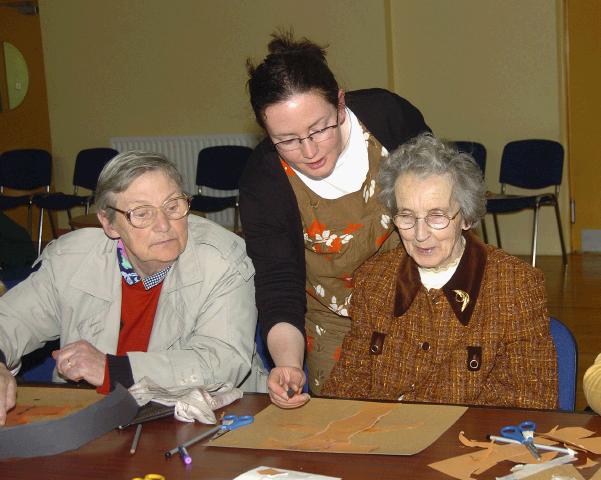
<point>138,308</point>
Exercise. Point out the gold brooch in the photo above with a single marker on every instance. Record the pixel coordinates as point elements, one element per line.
<point>463,298</point>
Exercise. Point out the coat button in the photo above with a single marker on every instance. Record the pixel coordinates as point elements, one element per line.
<point>425,346</point>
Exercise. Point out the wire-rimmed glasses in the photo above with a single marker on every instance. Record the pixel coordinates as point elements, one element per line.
<point>437,221</point>
<point>316,137</point>
<point>143,216</point>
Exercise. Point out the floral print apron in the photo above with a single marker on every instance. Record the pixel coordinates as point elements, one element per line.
<point>340,235</point>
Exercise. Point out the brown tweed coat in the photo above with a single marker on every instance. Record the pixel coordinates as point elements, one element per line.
<point>438,346</point>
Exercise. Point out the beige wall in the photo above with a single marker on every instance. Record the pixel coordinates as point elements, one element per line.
<point>487,71</point>
<point>478,69</point>
<point>151,67</point>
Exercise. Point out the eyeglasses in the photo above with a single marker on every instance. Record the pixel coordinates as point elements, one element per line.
<point>437,221</point>
<point>145,215</point>
<point>316,137</point>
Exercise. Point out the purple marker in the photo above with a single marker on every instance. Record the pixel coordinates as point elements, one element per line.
<point>185,456</point>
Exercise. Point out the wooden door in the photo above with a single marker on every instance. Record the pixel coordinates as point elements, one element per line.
<point>583,63</point>
<point>26,125</point>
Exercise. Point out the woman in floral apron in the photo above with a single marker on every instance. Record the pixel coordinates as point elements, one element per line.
<point>309,208</point>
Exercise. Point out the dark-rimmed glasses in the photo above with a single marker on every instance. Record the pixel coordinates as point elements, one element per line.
<point>437,221</point>
<point>316,137</point>
<point>145,215</point>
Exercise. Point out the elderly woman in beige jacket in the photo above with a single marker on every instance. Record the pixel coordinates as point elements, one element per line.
<point>154,293</point>
<point>592,385</point>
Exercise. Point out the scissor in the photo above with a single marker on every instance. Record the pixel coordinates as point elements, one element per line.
<point>229,422</point>
<point>523,433</point>
<point>232,422</point>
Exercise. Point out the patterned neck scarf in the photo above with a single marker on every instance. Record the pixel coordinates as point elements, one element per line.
<point>130,275</point>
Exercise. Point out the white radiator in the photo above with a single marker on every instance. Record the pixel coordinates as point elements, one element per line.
<point>183,151</point>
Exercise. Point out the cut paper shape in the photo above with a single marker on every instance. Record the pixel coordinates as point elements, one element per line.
<point>344,426</point>
<point>475,463</point>
<point>472,443</point>
<point>23,414</point>
<point>597,475</point>
<point>577,436</point>
<point>36,404</point>
<point>337,434</point>
<point>589,463</point>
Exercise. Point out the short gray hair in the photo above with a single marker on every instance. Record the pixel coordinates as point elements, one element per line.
<point>118,174</point>
<point>424,156</point>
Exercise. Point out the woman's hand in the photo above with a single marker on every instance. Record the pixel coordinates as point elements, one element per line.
<point>285,380</point>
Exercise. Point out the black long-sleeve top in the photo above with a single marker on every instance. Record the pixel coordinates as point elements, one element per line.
<point>271,218</point>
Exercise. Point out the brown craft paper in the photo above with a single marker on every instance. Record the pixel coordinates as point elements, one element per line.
<point>345,426</point>
<point>576,436</point>
<point>596,476</point>
<point>42,403</point>
<point>464,466</point>
<point>479,461</point>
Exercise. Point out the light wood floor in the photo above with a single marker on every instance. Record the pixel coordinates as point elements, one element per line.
<point>574,297</point>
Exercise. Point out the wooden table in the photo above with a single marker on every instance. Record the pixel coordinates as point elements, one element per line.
<point>108,457</point>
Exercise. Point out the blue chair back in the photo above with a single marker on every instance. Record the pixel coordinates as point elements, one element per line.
<point>262,350</point>
<point>532,164</point>
<point>221,167</point>
<point>25,169</point>
<point>88,165</point>
<point>476,150</point>
<point>38,365</point>
<point>567,363</point>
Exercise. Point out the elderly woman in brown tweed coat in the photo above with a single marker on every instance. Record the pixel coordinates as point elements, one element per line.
<point>445,318</point>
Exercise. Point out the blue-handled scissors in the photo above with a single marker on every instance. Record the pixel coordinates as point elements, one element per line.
<point>232,422</point>
<point>523,433</point>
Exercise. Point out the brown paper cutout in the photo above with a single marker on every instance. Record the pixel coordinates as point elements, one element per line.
<point>597,475</point>
<point>575,436</point>
<point>53,403</point>
<point>475,463</point>
<point>589,463</point>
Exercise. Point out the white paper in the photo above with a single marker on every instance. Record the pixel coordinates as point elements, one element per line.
<point>270,473</point>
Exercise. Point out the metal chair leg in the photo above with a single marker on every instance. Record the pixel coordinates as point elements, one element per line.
<point>236,216</point>
<point>41,222</point>
<point>52,225</point>
<point>535,234</point>
<point>561,241</point>
<point>497,233</point>
<point>69,217</point>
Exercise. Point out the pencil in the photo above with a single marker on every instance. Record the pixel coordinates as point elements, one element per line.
<point>538,446</point>
<point>193,440</point>
<point>186,458</point>
<point>134,443</point>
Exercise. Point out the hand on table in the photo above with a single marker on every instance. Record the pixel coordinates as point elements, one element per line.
<point>81,361</point>
<point>8,392</point>
<point>280,380</point>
